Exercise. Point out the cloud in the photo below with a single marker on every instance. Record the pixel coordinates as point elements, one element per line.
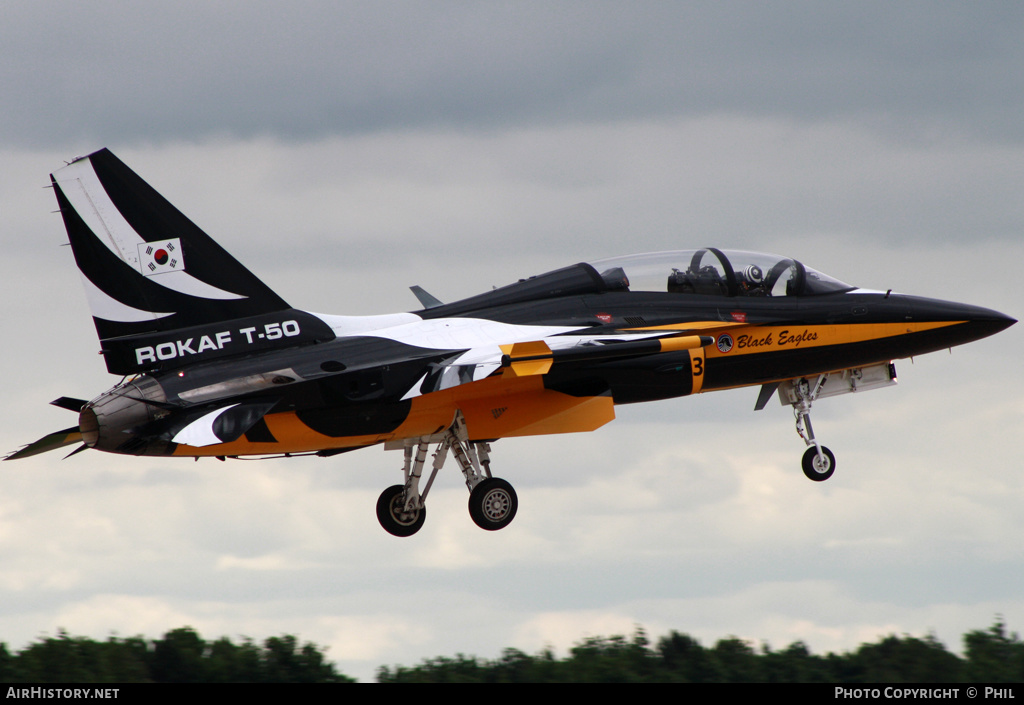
<point>74,74</point>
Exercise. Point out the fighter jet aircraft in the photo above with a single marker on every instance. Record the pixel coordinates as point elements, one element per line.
<point>218,365</point>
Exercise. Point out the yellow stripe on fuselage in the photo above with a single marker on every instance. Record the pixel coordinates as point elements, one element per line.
<point>748,340</point>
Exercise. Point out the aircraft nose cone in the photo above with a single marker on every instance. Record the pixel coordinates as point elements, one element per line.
<point>963,323</point>
<point>979,322</point>
<point>994,324</point>
<point>986,321</point>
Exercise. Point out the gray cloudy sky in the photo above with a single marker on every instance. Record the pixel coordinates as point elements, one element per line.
<point>344,151</point>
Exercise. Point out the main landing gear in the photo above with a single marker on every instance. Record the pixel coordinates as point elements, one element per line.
<point>492,501</point>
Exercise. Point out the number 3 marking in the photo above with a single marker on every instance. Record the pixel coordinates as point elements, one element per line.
<point>697,362</point>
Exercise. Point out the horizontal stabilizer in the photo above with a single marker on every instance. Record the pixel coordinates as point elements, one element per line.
<point>53,441</point>
<point>70,403</point>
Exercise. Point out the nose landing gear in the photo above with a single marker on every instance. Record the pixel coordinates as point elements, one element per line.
<point>818,462</point>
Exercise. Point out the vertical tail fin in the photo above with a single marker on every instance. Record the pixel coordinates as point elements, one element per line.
<point>146,267</point>
<point>153,278</point>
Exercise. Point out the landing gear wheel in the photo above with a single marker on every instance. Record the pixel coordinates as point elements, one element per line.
<point>493,504</point>
<point>816,467</point>
<point>392,515</point>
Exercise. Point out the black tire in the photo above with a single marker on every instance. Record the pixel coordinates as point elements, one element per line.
<point>493,504</point>
<point>392,515</point>
<point>814,468</point>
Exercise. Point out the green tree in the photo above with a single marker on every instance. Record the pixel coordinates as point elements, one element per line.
<point>6,665</point>
<point>284,661</point>
<point>179,657</point>
<point>993,656</point>
<point>737,661</point>
<point>515,666</point>
<point>905,660</point>
<point>460,669</point>
<point>795,664</point>
<point>612,660</point>
<point>59,659</point>
<point>683,659</point>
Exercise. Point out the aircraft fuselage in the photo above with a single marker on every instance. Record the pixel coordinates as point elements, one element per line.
<point>351,391</point>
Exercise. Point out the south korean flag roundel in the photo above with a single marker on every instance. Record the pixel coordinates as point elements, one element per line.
<point>161,257</point>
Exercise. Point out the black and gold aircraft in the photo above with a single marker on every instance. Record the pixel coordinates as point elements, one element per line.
<point>218,365</point>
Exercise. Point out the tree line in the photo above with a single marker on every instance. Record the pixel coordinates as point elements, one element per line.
<point>182,656</point>
<point>990,656</point>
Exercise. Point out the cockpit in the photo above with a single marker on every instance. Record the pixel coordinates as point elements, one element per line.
<point>708,272</point>
<point>713,272</point>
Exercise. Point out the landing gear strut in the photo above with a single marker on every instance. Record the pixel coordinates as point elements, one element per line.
<point>818,462</point>
<point>493,503</point>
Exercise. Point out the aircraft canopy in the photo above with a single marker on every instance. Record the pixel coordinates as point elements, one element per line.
<point>715,272</point>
